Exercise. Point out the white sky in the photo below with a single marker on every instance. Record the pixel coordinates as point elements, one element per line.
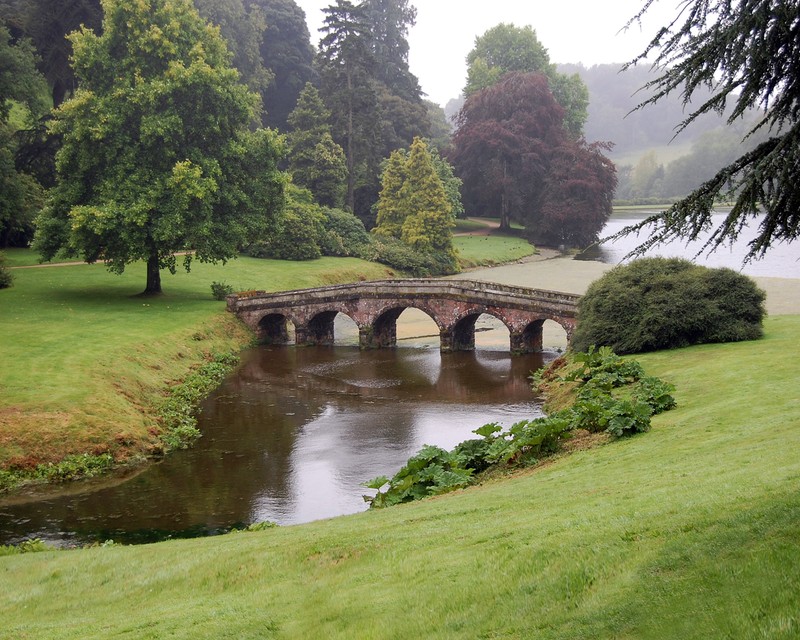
<point>587,31</point>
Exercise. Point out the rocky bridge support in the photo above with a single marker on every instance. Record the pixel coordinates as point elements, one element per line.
<point>454,305</point>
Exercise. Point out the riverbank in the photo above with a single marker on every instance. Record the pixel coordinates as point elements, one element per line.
<point>88,363</point>
<point>687,531</point>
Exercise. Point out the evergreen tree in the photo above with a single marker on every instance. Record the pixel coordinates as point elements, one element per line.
<point>346,65</point>
<point>287,52</point>
<point>316,162</point>
<point>156,156</point>
<point>746,54</point>
<point>391,209</point>
<point>414,205</point>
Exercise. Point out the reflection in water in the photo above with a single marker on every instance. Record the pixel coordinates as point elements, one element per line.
<point>290,438</point>
<point>781,261</point>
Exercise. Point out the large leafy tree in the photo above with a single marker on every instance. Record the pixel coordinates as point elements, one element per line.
<point>286,50</point>
<point>23,88</point>
<point>578,195</point>
<point>746,53</point>
<point>517,160</point>
<point>156,156</point>
<point>506,48</point>
<point>503,143</point>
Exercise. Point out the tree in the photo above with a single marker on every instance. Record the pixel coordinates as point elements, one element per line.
<point>389,21</point>
<point>315,160</point>
<point>578,195</point>
<point>746,54</point>
<point>413,204</point>
<point>286,50</point>
<point>506,48</point>
<point>243,30</point>
<point>23,88</point>
<point>504,138</point>
<point>156,155</point>
<point>48,23</point>
<point>346,65</point>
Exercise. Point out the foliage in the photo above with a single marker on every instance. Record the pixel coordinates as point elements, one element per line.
<point>298,231</point>
<point>397,254</point>
<point>708,45</point>
<point>431,471</point>
<point>220,289</point>
<point>316,162</point>
<point>502,145</point>
<point>345,235</point>
<point>661,303</point>
<point>414,206</point>
<point>6,277</point>
<point>578,196</point>
<point>287,52</point>
<point>596,408</point>
<point>242,25</point>
<point>506,48</point>
<point>24,88</point>
<point>34,545</point>
<point>48,23</point>
<point>157,156</point>
<point>177,415</point>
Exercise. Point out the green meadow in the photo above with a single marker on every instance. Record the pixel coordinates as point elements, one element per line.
<point>687,531</point>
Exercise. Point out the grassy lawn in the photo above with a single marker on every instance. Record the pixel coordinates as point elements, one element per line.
<point>475,251</point>
<point>85,360</point>
<point>688,531</point>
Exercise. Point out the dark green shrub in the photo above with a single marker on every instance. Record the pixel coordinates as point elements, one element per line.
<point>344,234</point>
<point>220,289</point>
<point>6,279</point>
<point>665,303</point>
<point>297,233</point>
<point>399,255</point>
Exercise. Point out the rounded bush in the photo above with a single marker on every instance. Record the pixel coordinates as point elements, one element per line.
<point>665,303</point>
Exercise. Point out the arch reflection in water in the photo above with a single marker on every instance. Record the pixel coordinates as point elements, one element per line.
<point>290,437</point>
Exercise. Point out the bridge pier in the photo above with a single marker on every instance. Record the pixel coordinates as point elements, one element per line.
<point>273,329</point>
<point>529,340</point>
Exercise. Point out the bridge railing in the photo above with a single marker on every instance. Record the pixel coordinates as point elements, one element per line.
<point>408,288</point>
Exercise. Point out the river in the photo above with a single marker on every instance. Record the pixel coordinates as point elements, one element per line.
<point>293,433</point>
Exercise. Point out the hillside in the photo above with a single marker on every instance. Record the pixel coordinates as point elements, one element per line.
<point>688,531</point>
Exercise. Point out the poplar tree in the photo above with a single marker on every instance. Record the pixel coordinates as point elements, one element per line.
<point>157,157</point>
<point>390,207</point>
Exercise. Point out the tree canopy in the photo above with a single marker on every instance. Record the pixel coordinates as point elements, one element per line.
<point>745,52</point>
<point>506,48</point>
<point>156,154</point>
<point>517,160</point>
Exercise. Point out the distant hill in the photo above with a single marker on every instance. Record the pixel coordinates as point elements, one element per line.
<point>614,93</point>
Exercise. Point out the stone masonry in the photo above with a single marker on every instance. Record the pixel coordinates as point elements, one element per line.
<point>454,305</point>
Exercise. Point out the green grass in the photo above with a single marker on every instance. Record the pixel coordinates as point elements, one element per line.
<point>688,531</point>
<point>86,360</point>
<point>474,251</point>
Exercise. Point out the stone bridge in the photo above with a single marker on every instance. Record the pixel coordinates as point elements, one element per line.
<point>454,305</point>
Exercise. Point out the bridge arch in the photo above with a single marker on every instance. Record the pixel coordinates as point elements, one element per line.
<point>273,328</point>
<point>381,332</point>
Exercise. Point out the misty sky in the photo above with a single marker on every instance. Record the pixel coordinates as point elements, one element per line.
<point>587,31</point>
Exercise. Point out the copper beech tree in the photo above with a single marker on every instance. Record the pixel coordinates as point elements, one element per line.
<point>518,162</point>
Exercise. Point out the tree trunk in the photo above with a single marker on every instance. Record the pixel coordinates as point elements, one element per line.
<point>153,276</point>
<point>505,222</point>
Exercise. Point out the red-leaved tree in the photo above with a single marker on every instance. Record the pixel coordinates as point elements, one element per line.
<point>517,162</point>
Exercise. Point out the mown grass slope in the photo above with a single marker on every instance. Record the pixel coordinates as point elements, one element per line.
<point>688,531</point>
<point>86,361</point>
